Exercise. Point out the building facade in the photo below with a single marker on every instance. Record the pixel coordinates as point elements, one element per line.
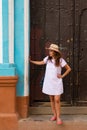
<point>64,23</point>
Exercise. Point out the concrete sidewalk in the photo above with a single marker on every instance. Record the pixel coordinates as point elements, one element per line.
<point>42,122</point>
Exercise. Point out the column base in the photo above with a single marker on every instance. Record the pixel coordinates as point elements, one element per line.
<point>8,115</point>
<point>8,121</point>
<point>23,106</point>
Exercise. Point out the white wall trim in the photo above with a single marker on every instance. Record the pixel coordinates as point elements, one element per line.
<point>1,42</point>
<point>11,30</point>
<point>26,47</point>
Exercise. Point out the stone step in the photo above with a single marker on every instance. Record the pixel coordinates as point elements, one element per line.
<point>42,122</point>
<point>64,110</point>
<point>47,104</point>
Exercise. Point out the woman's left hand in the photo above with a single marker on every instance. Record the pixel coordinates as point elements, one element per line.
<point>59,76</point>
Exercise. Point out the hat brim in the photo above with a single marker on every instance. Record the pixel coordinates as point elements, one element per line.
<point>53,49</point>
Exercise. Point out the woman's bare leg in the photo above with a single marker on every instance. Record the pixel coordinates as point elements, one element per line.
<point>52,100</point>
<point>57,106</point>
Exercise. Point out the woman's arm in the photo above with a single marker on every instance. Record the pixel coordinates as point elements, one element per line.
<point>68,69</point>
<point>37,62</point>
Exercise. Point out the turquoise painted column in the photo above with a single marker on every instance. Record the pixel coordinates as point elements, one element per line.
<point>19,43</point>
<point>5,31</point>
<point>21,54</point>
<point>6,68</point>
<point>15,42</point>
<point>19,64</point>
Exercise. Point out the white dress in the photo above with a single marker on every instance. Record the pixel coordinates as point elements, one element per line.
<point>53,85</point>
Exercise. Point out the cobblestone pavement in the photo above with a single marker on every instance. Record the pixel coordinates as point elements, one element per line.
<point>42,122</point>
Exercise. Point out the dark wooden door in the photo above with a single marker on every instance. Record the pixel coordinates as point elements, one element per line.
<point>80,55</point>
<point>64,23</point>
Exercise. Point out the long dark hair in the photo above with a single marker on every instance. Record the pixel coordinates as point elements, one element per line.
<point>57,57</point>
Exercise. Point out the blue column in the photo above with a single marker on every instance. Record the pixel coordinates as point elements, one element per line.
<point>5,30</point>
<point>6,69</point>
<point>19,44</point>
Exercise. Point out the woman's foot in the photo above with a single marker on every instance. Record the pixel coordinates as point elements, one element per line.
<point>59,122</point>
<point>53,118</point>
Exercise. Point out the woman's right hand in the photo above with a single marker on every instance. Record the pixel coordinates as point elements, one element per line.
<point>36,62</point>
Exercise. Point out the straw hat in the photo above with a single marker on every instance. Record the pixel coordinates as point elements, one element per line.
<point>54,47</point>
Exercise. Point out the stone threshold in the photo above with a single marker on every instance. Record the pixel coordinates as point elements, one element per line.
<point>72,110</point>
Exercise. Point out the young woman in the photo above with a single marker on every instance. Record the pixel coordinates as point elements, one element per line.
<point>53,85</point>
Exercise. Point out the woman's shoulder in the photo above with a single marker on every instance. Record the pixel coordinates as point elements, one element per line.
<point>61,59</point>
<point>45,59</point>
<point>62,62</point>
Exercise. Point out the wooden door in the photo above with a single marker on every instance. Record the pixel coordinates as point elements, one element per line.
<point>50,21</point>
<point>80,53</point>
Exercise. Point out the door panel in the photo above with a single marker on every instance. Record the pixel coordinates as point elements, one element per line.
<point>81,51</point>
<point>52,20</point>
<point>83,57</point>
<point>37,46</point>
<point>66,42</point>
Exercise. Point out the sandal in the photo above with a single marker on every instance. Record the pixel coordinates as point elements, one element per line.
<point>59,122</point>
<point>53,118</point>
